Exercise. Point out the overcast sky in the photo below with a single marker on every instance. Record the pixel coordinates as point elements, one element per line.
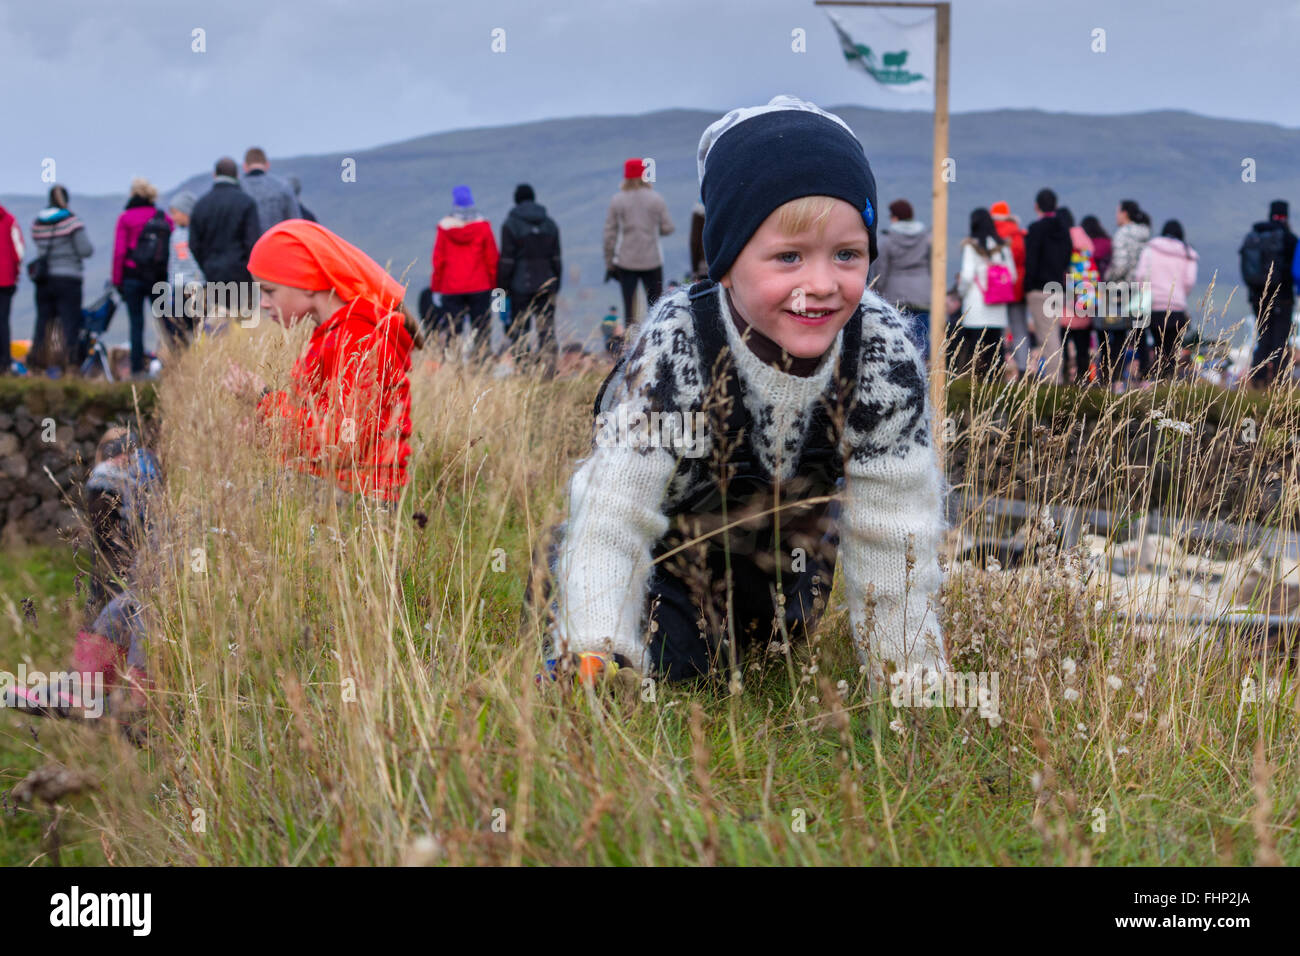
<point>113,89</point>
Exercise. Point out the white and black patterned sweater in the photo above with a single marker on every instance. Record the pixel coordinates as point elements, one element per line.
<point>619,495</point>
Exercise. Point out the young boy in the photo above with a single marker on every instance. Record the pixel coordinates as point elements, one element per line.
<point>766,390</point>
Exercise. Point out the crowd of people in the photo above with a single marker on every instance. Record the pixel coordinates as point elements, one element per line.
<point>1065,302</point>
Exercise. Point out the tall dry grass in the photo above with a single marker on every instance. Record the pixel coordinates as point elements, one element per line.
<point>339,684</point>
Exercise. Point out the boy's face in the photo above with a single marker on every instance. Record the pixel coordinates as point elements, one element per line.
<point>800,290</point>
<point>180,218</point>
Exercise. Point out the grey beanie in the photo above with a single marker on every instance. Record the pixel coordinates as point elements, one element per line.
<point>183,202</point>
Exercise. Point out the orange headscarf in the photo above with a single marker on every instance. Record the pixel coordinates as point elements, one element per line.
<point>306,255</point>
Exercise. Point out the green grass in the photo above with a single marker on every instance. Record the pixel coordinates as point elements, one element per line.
<point>340,686</point>
<point>40,634</point>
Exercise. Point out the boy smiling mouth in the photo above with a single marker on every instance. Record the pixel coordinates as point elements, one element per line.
<point>811,316</point>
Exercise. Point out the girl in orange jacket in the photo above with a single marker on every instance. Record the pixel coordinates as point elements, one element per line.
<point>347,412</point>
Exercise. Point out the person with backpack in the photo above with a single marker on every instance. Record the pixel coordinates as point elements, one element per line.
<point>1047,257</point>
<point>805,376</point>
<point>636,219</point>
<point>11,259</point>
<point>61,244</point>
<point>1268,254</point>
<point>987,284</point>
<point>1080,301</point>
<point>1008,226</point>
<point>1119,331</point>
<point>465,260</point>
<point>530,270</point>
<point>1169,264</point>
<point>141,249</point>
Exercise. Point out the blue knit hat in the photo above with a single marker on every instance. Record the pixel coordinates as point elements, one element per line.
<point>461,196</point>
<point>758,158</point>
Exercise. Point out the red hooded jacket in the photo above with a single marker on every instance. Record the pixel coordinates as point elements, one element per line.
<point>464,257</point>
<point>9,255</point>
<point>348,410</point>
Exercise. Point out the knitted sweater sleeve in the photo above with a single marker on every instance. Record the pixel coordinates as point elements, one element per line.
<point>893,518</point>
<point>617,494</point>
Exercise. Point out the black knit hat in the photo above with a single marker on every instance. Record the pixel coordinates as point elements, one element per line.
<point>1277,208</point>
<point>756,159</point>
<point>524,193</point>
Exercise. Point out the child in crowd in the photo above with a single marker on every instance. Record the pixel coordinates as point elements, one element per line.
<point>347,414</point>
<point>685,546</point>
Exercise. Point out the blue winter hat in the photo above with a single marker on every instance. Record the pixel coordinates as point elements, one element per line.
<point>758,158</point>
<point>461,196</point>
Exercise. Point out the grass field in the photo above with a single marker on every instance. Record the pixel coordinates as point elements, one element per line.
<point>340,685</point>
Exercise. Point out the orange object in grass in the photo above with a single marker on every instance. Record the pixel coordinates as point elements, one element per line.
<point>591,667</point>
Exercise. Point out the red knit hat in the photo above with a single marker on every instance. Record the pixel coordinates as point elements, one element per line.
<point>634,168</point>
<point>1000,209</point>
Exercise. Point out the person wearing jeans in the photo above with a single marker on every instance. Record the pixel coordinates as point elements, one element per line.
<point>651,279</point>
<point>59,237</point>
<point>133,293</point>
<point>58,299</point>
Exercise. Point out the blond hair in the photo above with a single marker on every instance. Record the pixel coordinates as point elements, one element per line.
<point>143,188</point>
<point>636,182</point>
<point>805,213</point>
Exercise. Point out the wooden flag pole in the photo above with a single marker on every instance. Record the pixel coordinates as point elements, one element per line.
<point>939,232</point>
<point>939,206</point>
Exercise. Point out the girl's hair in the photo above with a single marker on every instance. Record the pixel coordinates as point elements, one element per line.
<point>1067,218</point>
<point>635,183</point>
<point>59,196</point>
<point>1173,229</point>
<point>1134,212</point>
<point>1092,226</point>
<point>412,326</point>
<point>982,229</point>
<point>144,189</point>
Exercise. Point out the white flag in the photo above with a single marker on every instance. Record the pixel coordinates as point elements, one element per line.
<point>894,46</point>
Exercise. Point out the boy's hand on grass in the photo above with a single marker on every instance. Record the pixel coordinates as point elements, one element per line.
<point>590,669</point>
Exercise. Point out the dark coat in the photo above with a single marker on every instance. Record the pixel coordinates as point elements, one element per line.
<point>223,228</point>
<point>530,250</point>
<point>1047,253</point>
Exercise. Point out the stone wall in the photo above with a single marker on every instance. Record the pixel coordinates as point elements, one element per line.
<point>48,433</point>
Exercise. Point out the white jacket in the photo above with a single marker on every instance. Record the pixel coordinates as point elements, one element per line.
<point>973,279</point>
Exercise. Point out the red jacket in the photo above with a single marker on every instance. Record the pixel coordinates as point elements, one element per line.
<point>1010,229</point>
<point>9,256</point>
<point>348,410</point>
<point>464,257</point>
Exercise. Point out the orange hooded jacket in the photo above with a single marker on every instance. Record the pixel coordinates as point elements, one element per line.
<point>347,412</point>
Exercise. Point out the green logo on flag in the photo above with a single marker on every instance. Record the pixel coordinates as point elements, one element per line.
<point>892,72</point>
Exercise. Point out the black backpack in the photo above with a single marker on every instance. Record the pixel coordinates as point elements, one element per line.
<point>151,249</point>
<point>1260,251</point>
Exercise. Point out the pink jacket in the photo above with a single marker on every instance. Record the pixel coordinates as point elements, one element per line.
<point>129,226</point>
<point>1170,267</point>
